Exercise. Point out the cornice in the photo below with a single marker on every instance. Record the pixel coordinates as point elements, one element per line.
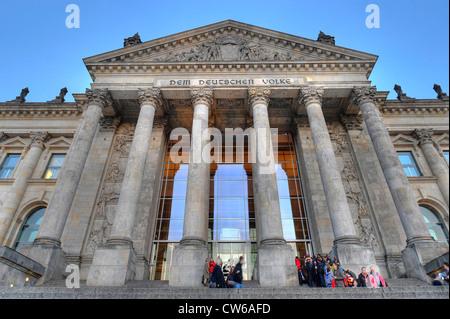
<point>40,110</point>
<point>418,106</point>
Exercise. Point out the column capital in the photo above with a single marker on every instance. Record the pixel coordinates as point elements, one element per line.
<point>203,95</point>
<point>352,122</point>
<point>3,137</point>
<point>310,94</point>
<point>361,94</point>
<point>110,123</point>
<point>101,97</point>
<point>259,95</point>
<point>150,96</point>
<point>423,135</point>
<point>39,138</point>
<point>301,121</point>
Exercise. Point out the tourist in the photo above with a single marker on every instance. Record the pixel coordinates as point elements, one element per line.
<point>217,278</point>
<point>230,278</point>
<point>444,275</point>
<point>362,278</point>
<point>339,276</point>
<point>350,280</point>
<point>238,274</point>
<point>309,271</point>
<point>375,279</point>
<point>321,271</point>
<point>206,273</point>
<point>298,263</point>
<point>212,264</point>
<point>329,277</point>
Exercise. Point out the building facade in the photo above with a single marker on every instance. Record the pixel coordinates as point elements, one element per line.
<point>303,156</point>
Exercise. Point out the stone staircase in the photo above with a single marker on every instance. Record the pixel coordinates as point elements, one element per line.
<point>398,289</point>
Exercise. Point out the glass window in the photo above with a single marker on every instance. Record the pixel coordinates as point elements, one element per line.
<point>435,225</point>
<point>54,166</point>
<point>409,164</point>
<point>446,156</point>
<point>9,165</point>
<point>30,228</point>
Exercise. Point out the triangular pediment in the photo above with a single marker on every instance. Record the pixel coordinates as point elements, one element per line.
<point>230,42</point>
<point>404,140</point>
<point>15,142</point>
<point>59,142</point>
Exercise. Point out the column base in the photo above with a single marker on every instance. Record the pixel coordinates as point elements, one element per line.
<point>49,255</point>
<point>113,265</point>
<point>187,265</point>
<point>354,256</point>
<point>416,255</point>
<point>276,266</point>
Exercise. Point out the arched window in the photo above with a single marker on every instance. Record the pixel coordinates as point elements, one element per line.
<point>435,224</point>
<point>30,228</point>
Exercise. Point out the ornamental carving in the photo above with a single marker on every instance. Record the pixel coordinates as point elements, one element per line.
<point>3,137</point>
<point>229,48</point>
<point>424,135</point>
<point>259,95</point>
<point>353,188</point>
<point>362,94</point>
<point>202,95</point>
<point>100,97</point>
<point>105,208</point>
<point>150,95</point>
<point>352,122</point>
<point>39,138</point>
<point>309,94</point>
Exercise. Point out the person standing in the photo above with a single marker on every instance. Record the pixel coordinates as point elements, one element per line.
<point>238,274</point>
<point>362,278</point>
<point>212,264</point>
<point>217,278</point>
<point>298,263</point>
<point>309,271</point>
<point>329,277</point>
<point>339,276</point>
<point>375,279</point>
<point>206,276</point>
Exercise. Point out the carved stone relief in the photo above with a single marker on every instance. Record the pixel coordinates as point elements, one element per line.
<point>109,195</point>
<point>355,196</point>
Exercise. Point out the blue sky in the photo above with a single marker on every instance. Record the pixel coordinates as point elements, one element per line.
<point>38,51</point>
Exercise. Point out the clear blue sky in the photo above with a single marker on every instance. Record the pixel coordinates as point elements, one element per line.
<point>38,50</point>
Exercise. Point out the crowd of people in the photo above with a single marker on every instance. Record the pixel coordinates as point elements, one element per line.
<point>324,272</point>
<point>217,276</point>
<point>315,271</point>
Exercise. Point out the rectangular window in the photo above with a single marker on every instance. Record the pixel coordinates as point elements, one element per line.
<point>446,156</point>
<point>409,164</point>
<point>54,167</point>
<point>9,165</point>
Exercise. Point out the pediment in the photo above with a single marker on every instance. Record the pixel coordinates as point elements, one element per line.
<point>15,142</point>
<point>59,142</point>
<point>228,42</point>
<point>404,140</point>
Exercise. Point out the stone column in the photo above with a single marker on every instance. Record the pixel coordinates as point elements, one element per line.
<point>421,246</point>
<point>190,254</point>
<point>434,159</point>
<point>19,186</point>
<point>275,264</point>
<point>351,252</point>
<point>46,248</point>
<point>115,262</point>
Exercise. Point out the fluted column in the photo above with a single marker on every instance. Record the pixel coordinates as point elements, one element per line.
<point>420,245</point>
<point>197,195</point>
<point>114,263</point>
<point>340,214</point>
<point>434,159</point>
<point>264,174</point>
<point>55,217</point>
<point>402,193</point>
<point>123,225</point>
<point>190,254</point>
<point>21,178</point>
<point>46,248</point>
<point>274,266</point>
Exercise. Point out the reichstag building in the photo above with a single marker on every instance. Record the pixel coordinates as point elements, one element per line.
<point>227,140</point>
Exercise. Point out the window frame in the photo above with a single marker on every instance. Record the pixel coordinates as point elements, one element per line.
<point>414,165</point>
<point>5,158</point>
<point>47,167</point>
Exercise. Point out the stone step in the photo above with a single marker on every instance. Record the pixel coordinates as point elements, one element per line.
<point>422,292</point>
